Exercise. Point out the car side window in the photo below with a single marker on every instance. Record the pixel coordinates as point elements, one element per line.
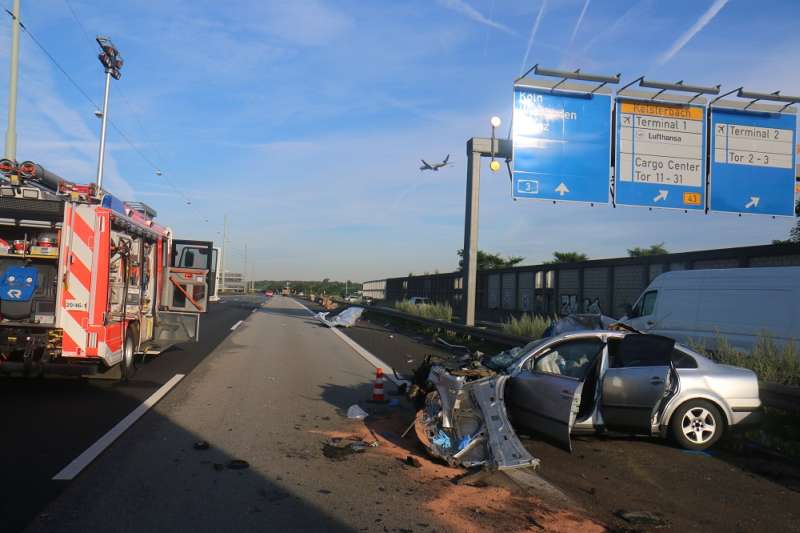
<point>649,303</point>
<point>682,359</point>
<point>572,358</point>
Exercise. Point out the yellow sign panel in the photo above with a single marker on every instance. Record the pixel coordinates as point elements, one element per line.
<point>692,198</point>
<point>663,110</point>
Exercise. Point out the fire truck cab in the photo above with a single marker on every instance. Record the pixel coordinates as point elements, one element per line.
<point>87,281</point>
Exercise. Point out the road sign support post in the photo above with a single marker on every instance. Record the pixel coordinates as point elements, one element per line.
<point>477,147</point>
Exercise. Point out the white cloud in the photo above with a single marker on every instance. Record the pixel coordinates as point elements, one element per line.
<point>701,23</point>
<point>460,6</point>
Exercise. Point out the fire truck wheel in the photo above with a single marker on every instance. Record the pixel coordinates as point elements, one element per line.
<point>128,363</point>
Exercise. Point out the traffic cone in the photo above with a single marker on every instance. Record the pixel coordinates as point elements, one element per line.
<point>377,387</point>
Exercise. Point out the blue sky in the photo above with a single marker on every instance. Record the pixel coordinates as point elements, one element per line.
<point>304,121</point>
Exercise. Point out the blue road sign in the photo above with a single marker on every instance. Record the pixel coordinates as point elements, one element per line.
<point>661,155</point>
<point>562,145</point>
<point>753,161</point>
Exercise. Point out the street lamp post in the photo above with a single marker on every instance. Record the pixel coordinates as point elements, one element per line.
<point>11,131</point>
<point>112,63</point>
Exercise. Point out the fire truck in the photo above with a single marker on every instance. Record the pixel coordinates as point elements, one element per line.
<point>89,283</point>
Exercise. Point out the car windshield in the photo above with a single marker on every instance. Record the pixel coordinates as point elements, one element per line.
<point>506,358</point>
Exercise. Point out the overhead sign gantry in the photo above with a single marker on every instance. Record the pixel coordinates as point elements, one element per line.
<point>660,159</point>
<point>753,154</point>
<point>561,137</point>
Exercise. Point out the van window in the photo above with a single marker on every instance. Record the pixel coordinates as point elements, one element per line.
<point>649,303</point>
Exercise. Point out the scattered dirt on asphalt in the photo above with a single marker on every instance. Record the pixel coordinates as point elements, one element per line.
<point>495,505</point>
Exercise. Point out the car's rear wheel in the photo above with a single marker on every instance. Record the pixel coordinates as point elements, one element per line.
<point>697,425</point>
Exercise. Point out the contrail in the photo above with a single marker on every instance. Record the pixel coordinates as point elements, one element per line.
<point>704,19</point>
<point>578,24</point>
<point>465,9</point>
<point>532,36</point>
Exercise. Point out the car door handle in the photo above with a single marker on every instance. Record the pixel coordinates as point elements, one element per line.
<point>650,323</point>
<point>566,395</point>
<point>656,381</point>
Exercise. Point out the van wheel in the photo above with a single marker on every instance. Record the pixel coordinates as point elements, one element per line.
<point>128,364</point>
<point>697,425</point>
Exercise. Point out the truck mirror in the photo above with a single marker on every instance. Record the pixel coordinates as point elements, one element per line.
<point>188,260</point>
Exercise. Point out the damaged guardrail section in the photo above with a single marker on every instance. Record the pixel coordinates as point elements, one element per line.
<point>465,423</point>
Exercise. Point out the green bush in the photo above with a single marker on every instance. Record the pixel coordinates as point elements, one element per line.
<point>532,326</point>
<point>433,311</point>
<point>773,363</point>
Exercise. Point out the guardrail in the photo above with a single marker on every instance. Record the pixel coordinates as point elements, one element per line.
<point>773,395</point>
<point>503,339</point>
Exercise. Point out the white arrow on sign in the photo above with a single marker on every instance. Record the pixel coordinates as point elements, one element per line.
<point>753,202</point>
<point>562,189</point>
<point>662,195</point>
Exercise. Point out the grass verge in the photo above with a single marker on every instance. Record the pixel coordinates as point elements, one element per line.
<point>532,326</point>
<point>433,311</point>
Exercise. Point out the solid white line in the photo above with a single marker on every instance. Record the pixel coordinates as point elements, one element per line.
<point>85,459</point>
<point>233,327</point>
<point>388,371</point>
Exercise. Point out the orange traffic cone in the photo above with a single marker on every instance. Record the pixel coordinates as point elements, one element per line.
<point>377,387</point>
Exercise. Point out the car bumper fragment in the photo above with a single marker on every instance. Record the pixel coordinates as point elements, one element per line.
<point>466,423</point>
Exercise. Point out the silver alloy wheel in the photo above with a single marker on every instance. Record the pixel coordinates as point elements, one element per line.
<point>699,425</point>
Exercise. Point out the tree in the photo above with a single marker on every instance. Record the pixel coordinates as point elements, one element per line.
<point>489,261</point>
<point>567,257</point>
<point>794,235</point>
<point>654,249</point>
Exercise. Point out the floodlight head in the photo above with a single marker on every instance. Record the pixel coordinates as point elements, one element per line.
<point>496,121</point>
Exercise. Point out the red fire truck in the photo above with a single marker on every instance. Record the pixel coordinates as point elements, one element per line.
<point>88,283</point>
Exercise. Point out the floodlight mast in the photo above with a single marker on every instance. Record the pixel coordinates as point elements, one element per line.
<point>112,63</point>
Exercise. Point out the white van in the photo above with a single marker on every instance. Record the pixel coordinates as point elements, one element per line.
<point>738,304</point>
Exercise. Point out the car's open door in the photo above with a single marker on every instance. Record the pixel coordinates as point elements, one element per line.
<point>545,403</point>
<point>636,382</point>
<point>545,395</point>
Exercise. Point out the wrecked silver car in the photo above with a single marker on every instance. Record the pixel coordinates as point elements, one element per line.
<point>585,382</point>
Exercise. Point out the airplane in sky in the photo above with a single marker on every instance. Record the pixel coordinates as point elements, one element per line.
<point>435,166</point>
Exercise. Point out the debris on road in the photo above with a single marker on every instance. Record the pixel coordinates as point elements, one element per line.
<point>338,448</point>
<point>345,319</point>
<point>412,461</point>
<point>465,423</point>
<point>238,464</point>
<point>201,445</point>
<point>642,518</point>
<point>354,412</point>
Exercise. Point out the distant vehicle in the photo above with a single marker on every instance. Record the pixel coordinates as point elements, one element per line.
<point>737,304</point>
<point>419,300</point>
<point>352,299</point>
<point>435,166</point>
<point>269,294</point>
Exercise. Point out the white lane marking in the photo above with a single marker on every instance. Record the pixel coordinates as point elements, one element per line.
<point>233,327</point>
<point>90,454</point>
<point>388,371</point>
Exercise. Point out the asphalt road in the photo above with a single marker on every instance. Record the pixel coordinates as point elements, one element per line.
<point>270,394</point>
<point>46,423</point>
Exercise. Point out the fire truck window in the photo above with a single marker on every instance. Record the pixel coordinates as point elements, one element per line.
<point>191,257</point>
<point>178,298</point>
<point>198,293</point>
